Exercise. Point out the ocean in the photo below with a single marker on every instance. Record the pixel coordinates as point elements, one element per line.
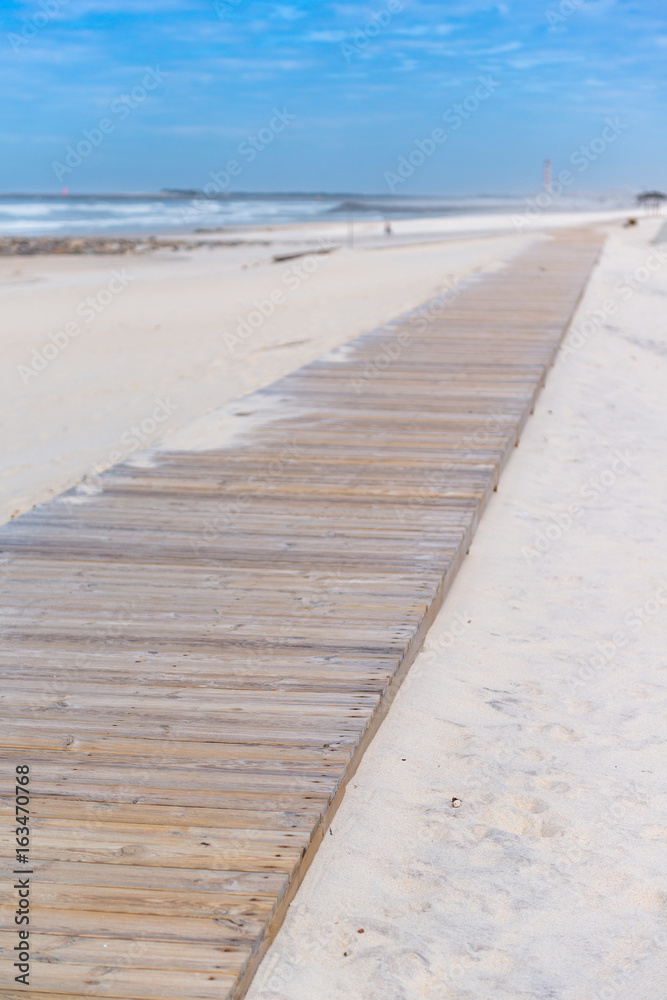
<point>188,211</point>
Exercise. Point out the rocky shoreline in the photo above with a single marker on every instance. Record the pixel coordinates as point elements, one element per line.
<point>30,246</point>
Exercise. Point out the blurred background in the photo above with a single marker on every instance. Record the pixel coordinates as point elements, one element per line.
<point>155,96</point>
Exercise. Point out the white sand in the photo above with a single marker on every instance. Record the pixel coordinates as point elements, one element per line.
<point>166,335</point>
<point>170,334</point>
<point>546,882</point>
<point>539,702</point>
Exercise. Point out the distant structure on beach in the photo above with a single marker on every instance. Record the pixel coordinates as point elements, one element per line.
<point>652,200</point>
<point>547,176</point>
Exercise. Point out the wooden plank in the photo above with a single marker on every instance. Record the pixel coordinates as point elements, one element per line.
<point>238,929</point>
<point>228,881</point>
<point>101,980</point>
<point>198,648</point>
<point>128,952</point>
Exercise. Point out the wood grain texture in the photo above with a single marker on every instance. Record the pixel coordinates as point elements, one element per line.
<point>198,649</point>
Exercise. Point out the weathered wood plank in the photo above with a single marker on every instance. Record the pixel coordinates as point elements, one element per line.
<point>198,648</point>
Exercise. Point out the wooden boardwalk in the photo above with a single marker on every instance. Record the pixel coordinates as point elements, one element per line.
<point>197,652</point>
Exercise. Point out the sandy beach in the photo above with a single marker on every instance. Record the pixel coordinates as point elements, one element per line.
<point>104,355</point>
<point>167,348</point>
<point>333,466</point>
<point>504,835</point>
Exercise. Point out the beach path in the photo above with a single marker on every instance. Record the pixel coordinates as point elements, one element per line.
<point>199,646</point>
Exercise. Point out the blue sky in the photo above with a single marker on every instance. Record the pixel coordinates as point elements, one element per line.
<point>364,83</point>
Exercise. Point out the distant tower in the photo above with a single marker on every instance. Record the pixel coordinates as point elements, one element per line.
<point>547,176</point>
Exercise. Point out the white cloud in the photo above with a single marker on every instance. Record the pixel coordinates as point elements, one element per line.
<point>289,13</point>
<point>195,131</point>
<point>80,8</point>
<point>326,36</point>
<point>414,31</point>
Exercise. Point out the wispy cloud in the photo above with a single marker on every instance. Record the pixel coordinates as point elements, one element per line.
<point>325,36</point>
<point>289,13</point>
<point>82,8</point>
<point>226,74</point>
